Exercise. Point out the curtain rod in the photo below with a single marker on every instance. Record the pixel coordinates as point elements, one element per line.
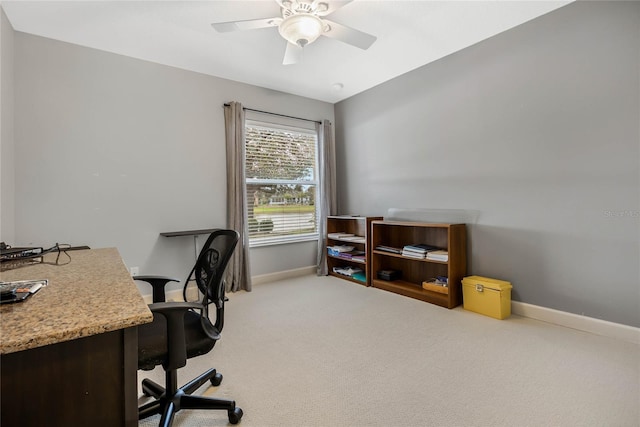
<point>276,114</point>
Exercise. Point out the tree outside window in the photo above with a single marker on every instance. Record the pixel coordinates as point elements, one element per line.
<point>281,182</point>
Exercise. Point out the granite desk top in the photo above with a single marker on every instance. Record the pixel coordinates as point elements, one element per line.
<point>92,294</point>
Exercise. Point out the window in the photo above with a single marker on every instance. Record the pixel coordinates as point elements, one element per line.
<point>281,181</point>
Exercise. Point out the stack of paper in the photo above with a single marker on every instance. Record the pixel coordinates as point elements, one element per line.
<point>354,239</point>
<point>440,255</point>
<point>339,235</point>
<point>347,271</point>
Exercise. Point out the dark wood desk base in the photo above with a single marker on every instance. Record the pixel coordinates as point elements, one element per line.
<point>83,382</point>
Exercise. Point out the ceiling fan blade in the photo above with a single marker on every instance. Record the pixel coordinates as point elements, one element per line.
<point>251,24</point>
<point>293,54</point>
<point>349,35</point>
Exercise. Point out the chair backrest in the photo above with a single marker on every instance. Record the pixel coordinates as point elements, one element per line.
<point>209,270</point>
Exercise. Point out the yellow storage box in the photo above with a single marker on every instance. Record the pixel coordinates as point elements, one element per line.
<point>490,297</point>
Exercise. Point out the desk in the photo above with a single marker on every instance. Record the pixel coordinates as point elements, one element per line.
<point>69,352</point>
<point>194,233</point>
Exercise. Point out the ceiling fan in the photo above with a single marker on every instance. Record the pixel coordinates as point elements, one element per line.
<point>302,22</point>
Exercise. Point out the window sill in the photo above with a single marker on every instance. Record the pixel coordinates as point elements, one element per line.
<point>272,241</point>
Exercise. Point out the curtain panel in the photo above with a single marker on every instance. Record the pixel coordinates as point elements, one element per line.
<point>327,183</point>
<point>238,272</point>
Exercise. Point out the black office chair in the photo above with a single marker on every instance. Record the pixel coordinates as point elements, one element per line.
<point>182,330</point>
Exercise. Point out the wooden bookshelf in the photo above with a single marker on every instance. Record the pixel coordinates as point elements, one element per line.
<point>450,237</point>
<point>359,226</point>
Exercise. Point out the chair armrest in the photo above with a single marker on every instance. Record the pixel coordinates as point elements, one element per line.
<point>158,284</point>
<point>176,341</point>
<point>169,307</point>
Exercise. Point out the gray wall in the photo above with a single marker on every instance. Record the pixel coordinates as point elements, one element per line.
<point>111,151</point>
<point>7,174</point>
<point>534,132</point>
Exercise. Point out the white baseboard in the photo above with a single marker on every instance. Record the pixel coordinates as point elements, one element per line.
<point>176,295</point>
<point>574,321</point>
<point>281,275</point>
<point>549,315</point>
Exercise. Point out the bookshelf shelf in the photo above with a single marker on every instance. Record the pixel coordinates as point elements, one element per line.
<point>358,226</point>
<point>397,234</point>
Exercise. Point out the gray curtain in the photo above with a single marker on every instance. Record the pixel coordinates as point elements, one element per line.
<point>327,189</point>
<point>238,273</point>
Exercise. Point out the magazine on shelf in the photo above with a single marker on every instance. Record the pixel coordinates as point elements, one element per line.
<point>351,255</point>
<point>359,258</point>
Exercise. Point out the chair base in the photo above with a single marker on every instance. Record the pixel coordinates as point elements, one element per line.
<point>168,404</point>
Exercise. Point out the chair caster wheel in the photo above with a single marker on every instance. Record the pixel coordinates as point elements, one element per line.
<point>216,380</point>
<point>235,415</point>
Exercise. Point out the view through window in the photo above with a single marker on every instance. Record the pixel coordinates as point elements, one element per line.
<point>281,182</point>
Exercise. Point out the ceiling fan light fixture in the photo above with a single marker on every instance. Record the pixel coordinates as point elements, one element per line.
<point>301,29</point>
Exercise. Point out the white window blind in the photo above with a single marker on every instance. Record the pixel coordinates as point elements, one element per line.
<point>281,181</point>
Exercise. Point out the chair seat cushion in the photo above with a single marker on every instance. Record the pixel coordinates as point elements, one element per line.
<point>152,340</point>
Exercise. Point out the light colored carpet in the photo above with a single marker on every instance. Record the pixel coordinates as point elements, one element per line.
<point>320,351</point>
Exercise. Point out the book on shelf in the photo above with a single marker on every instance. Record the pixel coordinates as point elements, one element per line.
<point>410,254</point>
<point>389,249</point>
<point>440,255</point>
<point>420,248</point>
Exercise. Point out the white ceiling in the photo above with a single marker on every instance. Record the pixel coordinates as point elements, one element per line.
<point>179,33</point>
